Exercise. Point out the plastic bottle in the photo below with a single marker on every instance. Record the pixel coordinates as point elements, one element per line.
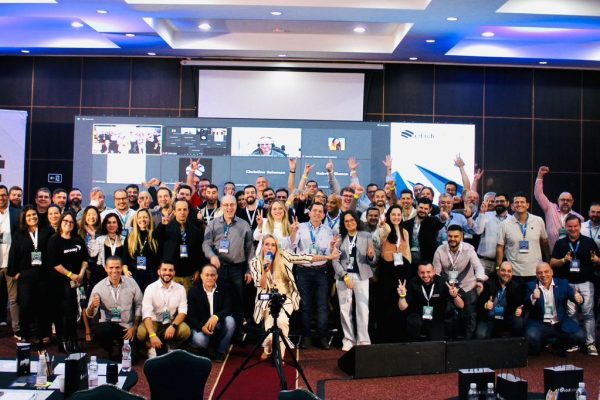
<point>93,372</point>
<point>126,360</point>
<point>473,395</point>
<point>41,378</point>
<point>581,393</point>
<point>490,394</point>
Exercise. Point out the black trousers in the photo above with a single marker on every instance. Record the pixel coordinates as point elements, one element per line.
<point>417,326</point>
<point>28,299</point>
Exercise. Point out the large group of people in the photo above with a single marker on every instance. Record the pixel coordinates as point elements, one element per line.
<point>188,265</point>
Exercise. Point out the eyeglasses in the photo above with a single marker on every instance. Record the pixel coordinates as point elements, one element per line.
<point>66,221</point>
<point>120,198</point>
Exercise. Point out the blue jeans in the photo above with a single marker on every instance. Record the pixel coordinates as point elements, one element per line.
<point>223,333</point>
<point>312,284</point>
<point>538,334</point>
<point>489,327</point>
<point>586,289</point>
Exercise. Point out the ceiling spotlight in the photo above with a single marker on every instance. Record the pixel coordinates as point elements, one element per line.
<point>130,34</point>
<point>360,29</point>
<point>543,62</point>
<point>276,13</point>
<point>204,27</point>
<point>25,51</point>
<point>77,24</point>
<point>488,34</point>
<point>451,19</point>
<point>413,58</point>
<point>281,55</point>
<point>430,41</point>
<point>151,53</point>
<point>102,11</point>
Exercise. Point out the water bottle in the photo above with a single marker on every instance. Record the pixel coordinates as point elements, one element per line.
<point>581,393</point>
<point>41,379</point>
<point>473,395</point>
<point>93,372</point>
<point>490,394</point>
<point>126,360</point>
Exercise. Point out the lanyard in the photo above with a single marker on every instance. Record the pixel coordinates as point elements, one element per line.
<point>208,216</point>
<point>574,250</point>
<point>352,242</point>
<point>454,259</point>
<point>164,292</point>
<point>251,218</point>
<point>447,224</point>
<point>113,245</point>
<point>123,220</point>
<point>115,294</point>
<point>500,296</point>
<point>313,236</point>
<point>142,245</point>
<point>34,238</point>
<point>399,237</point>
<point>183,234</point>
<point>523,227</point>
<point>226,230</point>
<point>427,297</point>
<point>332,221</point>
<point>592,234</point>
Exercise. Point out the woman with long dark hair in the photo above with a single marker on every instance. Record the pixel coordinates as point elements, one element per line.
<point>68,256</point>
<point>26,262</point>
<point>141,249</point>
<point>89,229</point>
<point>111,243</point>
<point>53,215</point>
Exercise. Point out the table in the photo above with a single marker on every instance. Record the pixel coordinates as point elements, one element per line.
<point>129,379</point>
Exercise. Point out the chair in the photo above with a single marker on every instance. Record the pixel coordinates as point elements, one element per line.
<point>177,375</point>
<point>104,392</point>
<point>297,394</point>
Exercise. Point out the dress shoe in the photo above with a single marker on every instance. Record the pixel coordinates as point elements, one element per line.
<point>325,344</point>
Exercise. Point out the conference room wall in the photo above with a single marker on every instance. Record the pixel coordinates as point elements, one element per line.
<point>524,117</point>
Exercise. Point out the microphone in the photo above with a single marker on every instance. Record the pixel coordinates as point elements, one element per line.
<point>268,260</point>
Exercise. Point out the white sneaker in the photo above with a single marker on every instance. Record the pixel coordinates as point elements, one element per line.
<point>591,349</point>
<point>151,353</point>
<point>573,349</point>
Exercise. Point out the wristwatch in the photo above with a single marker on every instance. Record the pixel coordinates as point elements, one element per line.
<point>174,325</point>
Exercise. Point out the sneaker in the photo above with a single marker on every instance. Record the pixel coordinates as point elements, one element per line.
<point>591,349</point>
<point>151,353</point>
<point>19,338</point>
<point>347,347</point>
<point>573,349</point>
<point>3,323</point>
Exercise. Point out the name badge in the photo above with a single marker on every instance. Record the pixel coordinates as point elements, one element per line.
<point>36,258</point>
<point>398,259</point>
<point>351,263</point>
<point>313,249</point>
<point>141,263</point>
<point>453,277</point>
<point>444,237</point>
<point>498,312</point>
<point>183,253</point>
<point>523,246</point>
<point>115,315</point>
<point>562,232</point>
<point>165,317</point>
<point>575,265</point>
<point>414,244</point>
<point>428,312</point>
<point>548,312</point>
<point>468,236</point>
<point>224,246</point>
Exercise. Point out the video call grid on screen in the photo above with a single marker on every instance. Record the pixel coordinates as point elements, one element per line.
<point>111,152</point>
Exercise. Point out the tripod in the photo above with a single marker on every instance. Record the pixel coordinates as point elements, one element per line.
<point>276,305</point>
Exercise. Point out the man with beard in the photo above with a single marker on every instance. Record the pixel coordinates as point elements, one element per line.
<point>268,197</point>
<point>332,218</point>
<point>133,192</point>
<point>428,193</point>
<point>59,197</point>
<point>422,232</point>
<point>164,308</point>
<point>164,208</point>
<point>406,202</point>
<point>591,228</point>
<point>211,208</point>
<point>15,196</point>
<point>122,210</point>
<point>425,299</point>
<point>379,201</point>
<point>555,215</point>
<point>465,221</point>
<point>75,199</point>
<point>500,305</point>
<point>487,225</point>
<point>250,212</point>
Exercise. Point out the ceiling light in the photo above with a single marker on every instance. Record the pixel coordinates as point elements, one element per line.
<point>413,58</point>
<point>360,29</point>
<point>276,13</point>
<point>151,54</point>
<point>102,11</point>
<point>430,41</point>
<point>204,27</point>
<point>130,34</point>
<point>488,34</point>
<point>25,51</point>
<point>77,24</point>
<point>451,19</point>
<point>281,55</point>
<point>543,62</point>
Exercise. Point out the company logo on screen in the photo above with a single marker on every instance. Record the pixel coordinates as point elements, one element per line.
<point>406,134</point>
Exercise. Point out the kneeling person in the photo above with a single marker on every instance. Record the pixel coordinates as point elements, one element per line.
<point>119,299</point>
<point>209,313</point>
<point>164,308</point>
<point>426,297</point>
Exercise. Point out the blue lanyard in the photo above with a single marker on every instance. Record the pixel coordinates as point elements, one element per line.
<point>500,296</point>
<point>313,236</point>
<point>574,250</point>
<point>226,230</point>
<point>523,227</point>
<point>447,224</point>
<point>592,234</point>
<point>334,221</point>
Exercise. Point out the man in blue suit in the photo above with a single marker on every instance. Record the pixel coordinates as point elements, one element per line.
<point>546,301</point>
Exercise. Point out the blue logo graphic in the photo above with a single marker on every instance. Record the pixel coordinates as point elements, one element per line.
<point>407,134</point>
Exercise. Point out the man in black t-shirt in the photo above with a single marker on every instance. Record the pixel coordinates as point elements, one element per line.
<point>574,258</point>
<point>425,299</point>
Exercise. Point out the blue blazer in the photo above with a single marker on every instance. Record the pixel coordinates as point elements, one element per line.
<point>562,293</point>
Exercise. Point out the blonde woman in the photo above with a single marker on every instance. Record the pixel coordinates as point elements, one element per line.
<point>278,225</point>
<point>142,253</point>
<point>272,269</point>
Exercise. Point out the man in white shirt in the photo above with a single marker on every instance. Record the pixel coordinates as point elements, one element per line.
<point>164,308</point>
<point>487,225</point>
<point>591,227</point>
<point>9,220</point>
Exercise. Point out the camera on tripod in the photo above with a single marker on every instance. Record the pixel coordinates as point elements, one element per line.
<point>275,300</point>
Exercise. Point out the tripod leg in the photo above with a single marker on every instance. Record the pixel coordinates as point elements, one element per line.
<point>277,357</point>
<point>296,364</point>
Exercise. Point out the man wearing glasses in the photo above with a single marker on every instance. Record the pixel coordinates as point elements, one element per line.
<point>122,210</point>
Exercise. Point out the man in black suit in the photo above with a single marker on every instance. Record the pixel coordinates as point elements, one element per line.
<point>9,224</point>
<point>422,232</point>
<point>209,313</point>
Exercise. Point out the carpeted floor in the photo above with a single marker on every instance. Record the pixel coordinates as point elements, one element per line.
<point>320,366</point>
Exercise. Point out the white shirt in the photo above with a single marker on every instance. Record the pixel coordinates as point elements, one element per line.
<point>488,226</point>
<point>6,237</point>
<point>589,231</point>
<point>322,234</point>
<point>284,241</point>
<point>126,218</point>
<point>211,298</point>
<point>549,299</point>
<point>158,298</point>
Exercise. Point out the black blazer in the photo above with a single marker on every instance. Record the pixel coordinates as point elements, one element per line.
<point>199,308</point>
<point>515,293</point>
<point>170,237</point>
<point>19,256</point>
<point>13,216</point>
<point>427,235</point>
